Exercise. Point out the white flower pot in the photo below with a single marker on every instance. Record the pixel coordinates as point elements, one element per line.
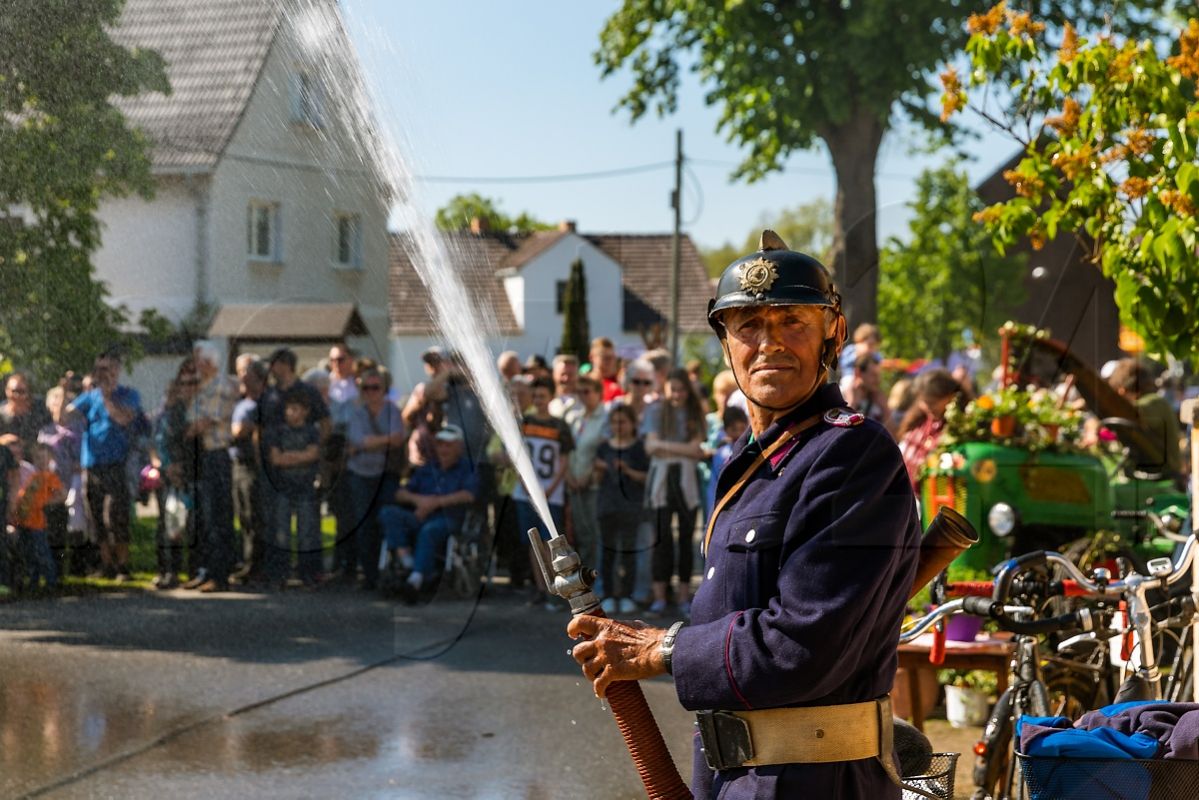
<point>965,707</point>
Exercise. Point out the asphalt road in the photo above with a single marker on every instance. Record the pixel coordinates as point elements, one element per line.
<point>331,693</point>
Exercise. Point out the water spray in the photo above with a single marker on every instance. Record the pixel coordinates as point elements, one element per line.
<point>465,327</point>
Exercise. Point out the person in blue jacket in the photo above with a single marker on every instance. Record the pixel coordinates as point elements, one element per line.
<point>791,649</point>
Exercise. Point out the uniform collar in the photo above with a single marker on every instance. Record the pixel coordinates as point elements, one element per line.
<point>826,397</point>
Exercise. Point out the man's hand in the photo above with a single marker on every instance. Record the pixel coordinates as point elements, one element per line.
<point>425,505</point>
<point>616,650</point>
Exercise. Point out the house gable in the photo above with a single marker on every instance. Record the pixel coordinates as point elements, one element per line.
<point>214,52</point>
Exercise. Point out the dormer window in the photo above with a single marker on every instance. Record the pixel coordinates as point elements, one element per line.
<point>307,100</point>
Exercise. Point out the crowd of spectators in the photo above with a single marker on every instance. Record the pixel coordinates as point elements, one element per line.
<point>245,469</point>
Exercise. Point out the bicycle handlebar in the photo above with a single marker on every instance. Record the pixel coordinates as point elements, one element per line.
<point>984,607</point>
<point>949,609</point>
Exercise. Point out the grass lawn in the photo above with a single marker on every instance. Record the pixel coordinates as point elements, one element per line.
<point>143,557</point>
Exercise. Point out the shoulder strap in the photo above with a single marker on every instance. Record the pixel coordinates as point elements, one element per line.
<point>785,437</point>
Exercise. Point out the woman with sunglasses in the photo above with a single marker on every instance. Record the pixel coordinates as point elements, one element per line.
<point>376,447</point>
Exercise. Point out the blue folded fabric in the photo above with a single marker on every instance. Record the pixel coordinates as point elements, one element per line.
<point>1054,737</point>
<point>1113,734</point>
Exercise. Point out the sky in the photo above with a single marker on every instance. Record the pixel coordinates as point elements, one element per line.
<point>477,89</point>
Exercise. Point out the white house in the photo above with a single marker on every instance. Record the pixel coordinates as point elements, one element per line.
<point>267,218</point>
<point>519,281</point>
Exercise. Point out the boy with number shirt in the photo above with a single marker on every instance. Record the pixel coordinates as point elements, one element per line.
<point>549,441</point>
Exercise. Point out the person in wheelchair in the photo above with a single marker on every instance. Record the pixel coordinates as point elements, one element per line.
<point>429,508</point>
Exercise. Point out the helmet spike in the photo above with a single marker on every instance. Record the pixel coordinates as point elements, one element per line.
<point>771,241</point>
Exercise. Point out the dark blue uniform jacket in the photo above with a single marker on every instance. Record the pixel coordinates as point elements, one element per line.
<point>804,589</point>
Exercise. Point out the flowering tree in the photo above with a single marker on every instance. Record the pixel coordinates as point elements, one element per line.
<point>1110,129</point>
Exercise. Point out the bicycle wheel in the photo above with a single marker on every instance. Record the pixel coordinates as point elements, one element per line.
<point>991,768</point>
<point>1070,694</point>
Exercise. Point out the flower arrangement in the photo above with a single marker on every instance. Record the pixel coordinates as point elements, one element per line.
<point>980,680</point>
<point>1028,418</point>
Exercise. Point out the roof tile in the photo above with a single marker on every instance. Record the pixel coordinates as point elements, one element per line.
<point>214,52</point>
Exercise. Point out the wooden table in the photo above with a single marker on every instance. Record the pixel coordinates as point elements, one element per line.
<point>994,655</point>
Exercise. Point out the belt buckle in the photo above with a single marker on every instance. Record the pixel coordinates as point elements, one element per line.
<point>725,739</point>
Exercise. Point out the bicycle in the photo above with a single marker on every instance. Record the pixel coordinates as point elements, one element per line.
<point>1030,692</point>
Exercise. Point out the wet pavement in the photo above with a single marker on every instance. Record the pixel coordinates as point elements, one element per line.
<point>332,693</point>
<point>310,694</point>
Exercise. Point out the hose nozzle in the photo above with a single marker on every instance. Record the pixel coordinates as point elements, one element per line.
<point>564,572</point>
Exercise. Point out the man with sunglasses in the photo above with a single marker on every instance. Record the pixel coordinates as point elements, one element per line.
<point>20,417</point>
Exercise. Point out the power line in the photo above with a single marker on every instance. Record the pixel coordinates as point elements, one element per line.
<point>712,162</point>
<point>617,172</point>
<point>572,176</point>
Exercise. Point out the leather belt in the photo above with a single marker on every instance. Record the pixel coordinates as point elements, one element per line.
<point>811,735</point>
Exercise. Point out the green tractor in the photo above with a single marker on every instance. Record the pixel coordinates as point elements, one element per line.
<point>1010,462</point>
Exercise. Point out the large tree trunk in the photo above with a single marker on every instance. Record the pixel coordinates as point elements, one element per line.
<point>854,148</point>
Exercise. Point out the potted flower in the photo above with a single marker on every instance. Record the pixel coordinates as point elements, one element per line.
<point>967,695</point>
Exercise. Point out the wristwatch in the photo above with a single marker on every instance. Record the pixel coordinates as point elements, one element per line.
<point>667,647</point>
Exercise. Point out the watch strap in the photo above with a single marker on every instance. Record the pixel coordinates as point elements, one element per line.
<point>667,647</point>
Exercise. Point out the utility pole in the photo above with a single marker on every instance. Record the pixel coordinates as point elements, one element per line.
<point>676,202</point>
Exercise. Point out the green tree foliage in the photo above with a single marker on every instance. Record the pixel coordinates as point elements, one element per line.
<point>456,215</point>
<point>63,147</point>
<point>576,330</point>
<point>947,277</point>
<point>1110,129</point>
<point>789,76</point>
<point>807,227</point>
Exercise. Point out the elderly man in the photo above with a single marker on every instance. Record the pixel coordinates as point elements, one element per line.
<point>508,364</point>
<point>111,415</point>
<point>810,552</point>
<point>565,405</point>
<point>210,420</point>
<point>431,507</point>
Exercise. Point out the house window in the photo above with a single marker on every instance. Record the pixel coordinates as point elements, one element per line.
<point>307,100</point>
<point>263,239</point>
<point>348,244</point>
<point>560,291</point>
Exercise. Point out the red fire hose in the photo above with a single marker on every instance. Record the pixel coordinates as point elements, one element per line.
<point>653,761</point>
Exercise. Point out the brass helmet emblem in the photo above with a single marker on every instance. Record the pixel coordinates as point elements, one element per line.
<point>758,276</point>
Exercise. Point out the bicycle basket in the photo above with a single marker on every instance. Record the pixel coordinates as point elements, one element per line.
<point>1109,778</point>
<point>937,783</point>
